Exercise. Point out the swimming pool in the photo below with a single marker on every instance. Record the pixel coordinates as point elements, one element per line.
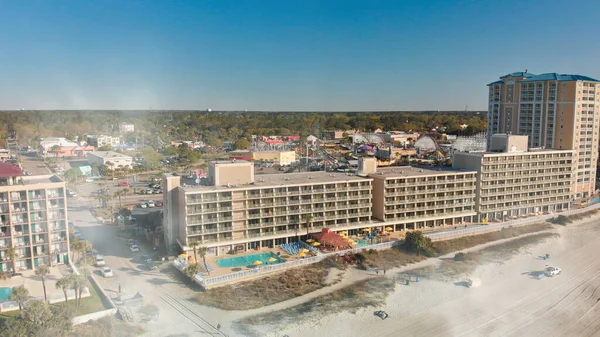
<point>247,260</point>
<point>4,294</point>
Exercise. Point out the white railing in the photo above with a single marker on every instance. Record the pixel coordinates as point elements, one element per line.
<point>204,282</point>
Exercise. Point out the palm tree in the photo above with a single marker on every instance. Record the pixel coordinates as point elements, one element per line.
<point>20,295</point>
<point>42,271</point>
<point>75,244</point>
<point>308,218</point>
<point>64,284</point>
<point>192,270</point>
<point>202,251</point>
<point>77,284</point>
<point>11,253</point>
<point>194,245</point>
<point>111,166</point>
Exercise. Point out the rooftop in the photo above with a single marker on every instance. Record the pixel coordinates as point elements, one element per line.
<point>108,154</point>
<point>518,74</point>
<point>45,179</point>
<point>531,150</point>
<point>281,179</point>
<point>559,77</point>
<point>411,171</point>
<point>9,170</point>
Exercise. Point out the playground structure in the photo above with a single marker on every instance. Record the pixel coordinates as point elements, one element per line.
<point>470,143</point>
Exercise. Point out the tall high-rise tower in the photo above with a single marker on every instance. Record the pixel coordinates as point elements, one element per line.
<point>556,111</point>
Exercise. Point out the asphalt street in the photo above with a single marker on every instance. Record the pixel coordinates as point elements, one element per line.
<point>162,292</point>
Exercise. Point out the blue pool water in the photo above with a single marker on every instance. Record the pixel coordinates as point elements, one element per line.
<point>4,293</point>
<point>595,200</point>
<point>247,260</point>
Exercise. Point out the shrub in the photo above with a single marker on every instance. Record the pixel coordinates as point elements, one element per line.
<point>418,243</point>
<point>459,257</point>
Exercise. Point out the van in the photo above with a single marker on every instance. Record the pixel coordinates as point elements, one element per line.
<point>100,261</point>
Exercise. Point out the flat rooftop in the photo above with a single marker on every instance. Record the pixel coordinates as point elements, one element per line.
<point>411,171</point>
<point>529,151</point>
<point>108,154</point>
<point>45,179</point>
<point>282,179</point>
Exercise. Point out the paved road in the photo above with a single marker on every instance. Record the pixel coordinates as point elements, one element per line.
<point>176,315</point>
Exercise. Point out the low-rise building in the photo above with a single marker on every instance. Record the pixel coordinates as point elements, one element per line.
<point>112,160</point>
<point>4,154</point>
<point>33,220</point>
<point>126,127</point>
<point>516,182</point>
<point>261,211</point>
<point>406,197</point>
<point>282,158</point>
<point>101,140</point>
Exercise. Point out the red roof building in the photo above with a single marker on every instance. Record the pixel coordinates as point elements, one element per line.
<point>7,170</point>
<point>331,239</point>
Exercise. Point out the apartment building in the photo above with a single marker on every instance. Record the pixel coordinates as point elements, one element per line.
<point>282,158</point>
<point>261,211</point>
<point>516,182</point>
<point>33,220</point>
<point>406,197</point>
<point>101,140</point>
<point>556,111</point>
<point>126,127</point>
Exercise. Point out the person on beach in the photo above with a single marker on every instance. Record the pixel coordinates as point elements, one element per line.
<point>384,271</point>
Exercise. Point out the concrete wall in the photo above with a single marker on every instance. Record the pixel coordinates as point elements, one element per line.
<point>234,173</point>
<point>378,199</point>
<point>508,143</point>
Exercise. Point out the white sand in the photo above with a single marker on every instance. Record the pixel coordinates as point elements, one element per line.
<point>510,302</point>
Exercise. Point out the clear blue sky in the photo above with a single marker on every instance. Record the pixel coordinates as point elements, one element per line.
<point>283,54</point>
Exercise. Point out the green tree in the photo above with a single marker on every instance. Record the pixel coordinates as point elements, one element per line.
<point>55,150</point>
<point>151,157</point>
<point>416,242</point>
<point>106,147</point>
<point>202,251</point>
<point>20,295</point>
<point>77,284</point>
<point>194,245</point>
<point>73,175</point>
<point>11,254</point>
<point>241,144</point>
<point>64,284</point>
<point>37,312</point>
<point>42,271</point>
<point>192,270</point>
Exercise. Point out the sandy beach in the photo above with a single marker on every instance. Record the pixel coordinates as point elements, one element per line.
<point>512,300</point>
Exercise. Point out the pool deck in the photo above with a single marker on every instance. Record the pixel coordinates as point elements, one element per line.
<point>33,283</point>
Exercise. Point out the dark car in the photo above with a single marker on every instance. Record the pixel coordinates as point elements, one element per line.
<point>158,203</point>
<point>146,257</point>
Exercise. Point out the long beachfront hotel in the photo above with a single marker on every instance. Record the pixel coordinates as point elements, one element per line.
<point>556,111</point>
<point>515,182</point>
<point>241,211</point>
<point>33,220</point>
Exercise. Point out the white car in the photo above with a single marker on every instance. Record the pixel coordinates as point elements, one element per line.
<point>143,205</point>
<point>88,180</point>
<point>134,248</point>
<point>150,203</point>
<point>107,272</point>
<point>552,271</point>
<point>100,261</point>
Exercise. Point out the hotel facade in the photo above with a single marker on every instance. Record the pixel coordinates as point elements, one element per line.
<point>33,220</point>
<point>556,111</point>
<point>515,182</point>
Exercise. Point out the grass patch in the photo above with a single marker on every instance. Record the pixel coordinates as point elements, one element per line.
<point>106,327</point>
<point>454,245</point>
<point>389,258</point>
<point>8,316</point>
<point>270,289</point>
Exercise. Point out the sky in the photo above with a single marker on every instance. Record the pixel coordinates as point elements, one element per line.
<point>291,55</point>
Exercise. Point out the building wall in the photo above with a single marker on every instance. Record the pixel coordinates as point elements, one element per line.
<point>126,127</point>
<point>33,219</point>
<point>255,216</point>
<point>515,184</point>
<point>232,173</point>
<point>556,114</point>
<point>378,197</point>
<point>172,210</point>
<point>508,143</point>
<point>367,165</point>
<point>121,160</point>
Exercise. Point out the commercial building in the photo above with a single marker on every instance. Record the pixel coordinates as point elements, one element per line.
<point>556,111</point>
<point>126,127</point>
<point>406,197</point>
<point>101,140</point>
<point>282,158</point>
<point>261,211</point>
<point>112,160</point>
<point>514,181</point>
<point>33,220</point>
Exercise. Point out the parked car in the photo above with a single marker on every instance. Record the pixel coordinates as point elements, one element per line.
<point>156,179</point>
<point>99,261</point>
<point>71,193</point>
<point>158,203</point>
<point>94,252</point>
<point>88,180</point>
<point>130,242</point>
<point>123,183</point>
<point>151,203</point>
<point>134,248</point>
<point>143,205</point>
<point>107,272</point>
<point>552,271</point>
<point>146,257</point>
